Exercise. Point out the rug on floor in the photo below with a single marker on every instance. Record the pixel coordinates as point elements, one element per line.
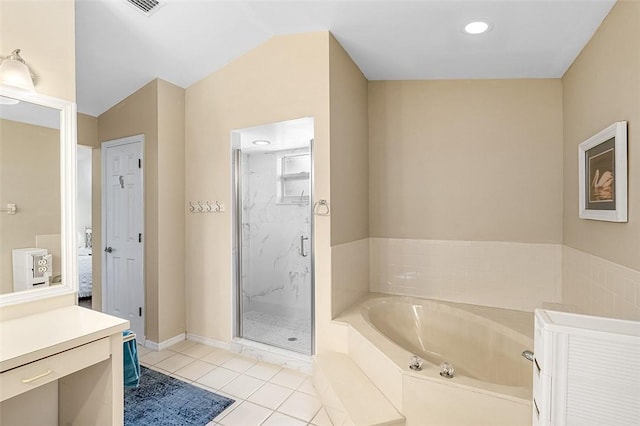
<point>164,400</point>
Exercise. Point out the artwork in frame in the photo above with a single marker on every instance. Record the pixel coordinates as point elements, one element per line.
<point>602,165</point>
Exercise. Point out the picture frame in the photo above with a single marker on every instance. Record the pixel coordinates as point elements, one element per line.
<point>602,170</point>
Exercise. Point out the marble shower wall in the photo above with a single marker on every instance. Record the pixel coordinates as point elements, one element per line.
<point>275,277</point>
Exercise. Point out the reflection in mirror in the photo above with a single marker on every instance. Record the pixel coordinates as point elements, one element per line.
<point>27,173</point>
<point>30,236</point>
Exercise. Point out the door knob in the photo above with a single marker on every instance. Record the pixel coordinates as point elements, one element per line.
<point>108,249</point>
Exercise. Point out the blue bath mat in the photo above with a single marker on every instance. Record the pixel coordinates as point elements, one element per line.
<point>163,400</point>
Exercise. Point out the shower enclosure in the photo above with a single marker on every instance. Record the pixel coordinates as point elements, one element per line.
<point>273,234</point>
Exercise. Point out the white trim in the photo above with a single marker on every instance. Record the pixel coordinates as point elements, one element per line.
<point>68,143</point>
<point>618,131</point>
<point>260,352</point>
<point>211,342</point>
<point>166,344</point>
<point>109,144</point>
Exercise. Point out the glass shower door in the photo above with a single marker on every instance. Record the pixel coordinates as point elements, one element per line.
<point>275,284</point>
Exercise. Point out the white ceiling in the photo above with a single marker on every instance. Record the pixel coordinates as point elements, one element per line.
<point>119,49</point>
<point>289,134</point>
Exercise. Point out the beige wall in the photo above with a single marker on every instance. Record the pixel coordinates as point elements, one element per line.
<point>466,160</point>
<point>30,178</point>
<point>287,77</point>
<point>349,148</point>
<point>138,114</point>
<point>157,111</point>
<point>348,103</point>
<point>45,33</point>
<point>88,131</point>
<point>171,211</point>
<point>601,87</point>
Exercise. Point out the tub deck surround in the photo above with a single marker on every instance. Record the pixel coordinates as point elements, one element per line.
<point>350,398</point>
<point>386,363</point>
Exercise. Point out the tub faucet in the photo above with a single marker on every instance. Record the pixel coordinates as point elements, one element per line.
<point>447,370</point>
<point>415,363</point>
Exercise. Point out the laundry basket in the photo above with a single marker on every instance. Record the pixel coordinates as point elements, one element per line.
<point>130,358</point>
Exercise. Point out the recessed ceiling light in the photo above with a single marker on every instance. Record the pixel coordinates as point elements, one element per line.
<point>261,142</point>
<point>477,27</point>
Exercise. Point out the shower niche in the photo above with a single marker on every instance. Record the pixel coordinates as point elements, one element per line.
<point>273,234</point>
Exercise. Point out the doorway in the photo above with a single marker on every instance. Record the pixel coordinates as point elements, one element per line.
<point>122,231</point>
<point>84,231</point>
<point>274,234</point>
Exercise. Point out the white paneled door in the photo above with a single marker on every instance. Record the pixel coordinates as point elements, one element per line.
<point>122,230</point>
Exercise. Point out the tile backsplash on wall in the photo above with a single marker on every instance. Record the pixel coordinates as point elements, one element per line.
<point>599,287</point>
<point>503,274</point>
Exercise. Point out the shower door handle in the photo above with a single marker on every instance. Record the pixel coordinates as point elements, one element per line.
<point>302,253</point>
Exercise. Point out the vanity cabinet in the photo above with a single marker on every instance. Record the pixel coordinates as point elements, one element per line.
<point>586,370</point>
<point>64,367</point>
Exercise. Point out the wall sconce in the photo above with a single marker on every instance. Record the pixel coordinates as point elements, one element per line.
<point>15,72</point>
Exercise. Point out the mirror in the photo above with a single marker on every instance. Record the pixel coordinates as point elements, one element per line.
<point>37,196</point>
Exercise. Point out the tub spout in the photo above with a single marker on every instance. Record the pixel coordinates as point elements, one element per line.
<point>528,355</point>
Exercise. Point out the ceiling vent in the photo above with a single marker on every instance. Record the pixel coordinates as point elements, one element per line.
<point>148,7</point>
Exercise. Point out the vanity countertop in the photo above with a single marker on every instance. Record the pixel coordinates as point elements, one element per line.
<point>33,337</point>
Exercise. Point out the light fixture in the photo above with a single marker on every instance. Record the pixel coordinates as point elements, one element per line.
<point>14,72</point>
<point>477,27</point>
<point>261,142</point>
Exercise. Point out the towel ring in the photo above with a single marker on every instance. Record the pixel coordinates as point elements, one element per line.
<point>321,208</point>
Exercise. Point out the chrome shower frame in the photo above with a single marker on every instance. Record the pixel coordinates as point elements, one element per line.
<point>237,246</point>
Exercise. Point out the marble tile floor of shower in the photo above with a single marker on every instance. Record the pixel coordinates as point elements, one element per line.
<point>265,394</point>
<point>278,330</point>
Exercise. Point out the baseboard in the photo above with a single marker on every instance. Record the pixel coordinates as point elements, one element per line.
<point>211,342</point>
<point>167,343</point>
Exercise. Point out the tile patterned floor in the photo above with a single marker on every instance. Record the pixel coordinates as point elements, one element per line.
<point>265,394</point>
<point>276,330</point>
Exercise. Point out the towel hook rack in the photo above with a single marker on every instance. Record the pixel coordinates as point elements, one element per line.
<point>205,206</point>
<point>10,209</point>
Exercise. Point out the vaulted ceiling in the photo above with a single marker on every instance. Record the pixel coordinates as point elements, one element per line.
<point>119,48</point>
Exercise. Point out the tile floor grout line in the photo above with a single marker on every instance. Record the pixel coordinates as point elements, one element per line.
<point>290,375</point>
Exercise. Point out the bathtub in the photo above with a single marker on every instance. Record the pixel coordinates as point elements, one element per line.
<point>492,382</point>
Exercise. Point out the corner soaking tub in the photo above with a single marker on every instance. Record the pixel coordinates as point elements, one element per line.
<point>492,382</point>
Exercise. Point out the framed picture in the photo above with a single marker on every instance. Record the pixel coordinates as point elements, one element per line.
<point>602,166</point>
